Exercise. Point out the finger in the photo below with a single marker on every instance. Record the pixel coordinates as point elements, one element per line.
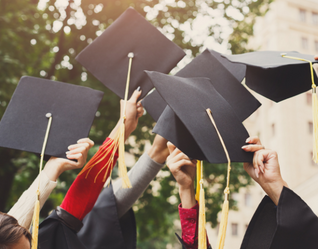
<point>82,149</point>
<point>86,140</point>
<point>176,167</point>
<point>135,96</point>
<point>178,157</point>
<point>139,103</point>
<point>171,147</point>
<point>252,147</point>
<point>84,146</point>
<point>140,111</point>
<point>78,157</point>
<point>316,57</point>
<point>253,140</point>
<point>260,160</point>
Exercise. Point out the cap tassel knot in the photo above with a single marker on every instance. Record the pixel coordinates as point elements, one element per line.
<point>225,207</point>
<point>314,106</point>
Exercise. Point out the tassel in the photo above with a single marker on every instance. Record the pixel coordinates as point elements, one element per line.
<point>315,123</point>
<point>35,222</point>
<point>113,145</point>
<point>225,208</point>
<point>224,219</point>
<point>36,212</point>
<point>199,177</point>
<point>314,106</point>
<point>202,232</point>
<point>121,159</point>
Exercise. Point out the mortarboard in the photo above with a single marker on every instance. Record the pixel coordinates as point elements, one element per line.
<point>189,98</point>
<point>274,76</point>
<point>106,57</point>
<point>24,122</point>
<point>213,125</point>
<point>118,59</point>
<point>45,117</point>
<point>280,75</point>
<point>225,76</point>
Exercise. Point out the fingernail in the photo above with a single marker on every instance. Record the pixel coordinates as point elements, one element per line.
<point>138,89</point>
<point>256,173</point>
<point>261,169</point>
<point>67,152</point>
<point>244,147</point>
<point>247,140</point>
<point>70,147</point>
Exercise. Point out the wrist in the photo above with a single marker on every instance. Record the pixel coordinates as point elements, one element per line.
<point>52,170</point>
<point>158,154</point>
<point>274,189</point>
<point>187,196</point>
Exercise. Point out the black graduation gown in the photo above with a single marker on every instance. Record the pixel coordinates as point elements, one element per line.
<point>290,225</point>
<point>101,228</point>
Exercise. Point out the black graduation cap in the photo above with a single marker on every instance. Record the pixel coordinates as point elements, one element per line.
<point>24,123</point>
<point>225,76</point>
<point>106,57</point>
<point>189,98</point>
<point>274,74</point>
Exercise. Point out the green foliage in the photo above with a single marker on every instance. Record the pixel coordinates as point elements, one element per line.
<point>42,39</point>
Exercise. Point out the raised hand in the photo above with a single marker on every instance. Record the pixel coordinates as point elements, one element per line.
<point>183,169</point>
<point>56,166</point>
<point>265,169</point>
<point>134,111</point>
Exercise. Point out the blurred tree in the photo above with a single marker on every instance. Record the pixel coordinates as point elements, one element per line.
<point>42,38</point>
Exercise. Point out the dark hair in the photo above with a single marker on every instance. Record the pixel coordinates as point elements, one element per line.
<point>10,231</point>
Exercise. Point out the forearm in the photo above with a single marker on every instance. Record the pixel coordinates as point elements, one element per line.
<point>87,186</point>
<point>24,207</point>
<point>140,175</point>
<point>187,197</point>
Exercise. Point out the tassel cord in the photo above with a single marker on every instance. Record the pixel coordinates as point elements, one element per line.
<point>225,208</point>
<point>36,213</point>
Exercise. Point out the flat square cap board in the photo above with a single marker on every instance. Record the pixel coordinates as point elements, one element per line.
<point>106,57</point>
<point>225,76</point>
<point>274,76</point>
<point>189,98</point>
<point>24,122</point>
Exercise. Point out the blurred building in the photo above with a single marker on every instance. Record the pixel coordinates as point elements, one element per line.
<point>290,25</point>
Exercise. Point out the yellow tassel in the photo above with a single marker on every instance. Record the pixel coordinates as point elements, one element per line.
<point>202,232</point>
<point>121,159</point>
<point>199,177</point>
<point>36,212</point>
<point>315,123</point>
<point>225,208</point>
<point>223,223</point>
<point>113,145</point>
<point>35,222</point>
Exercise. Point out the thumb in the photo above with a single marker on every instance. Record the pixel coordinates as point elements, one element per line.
<point>135,96</point>
<point>316,57</point>
<point>171,147</point>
